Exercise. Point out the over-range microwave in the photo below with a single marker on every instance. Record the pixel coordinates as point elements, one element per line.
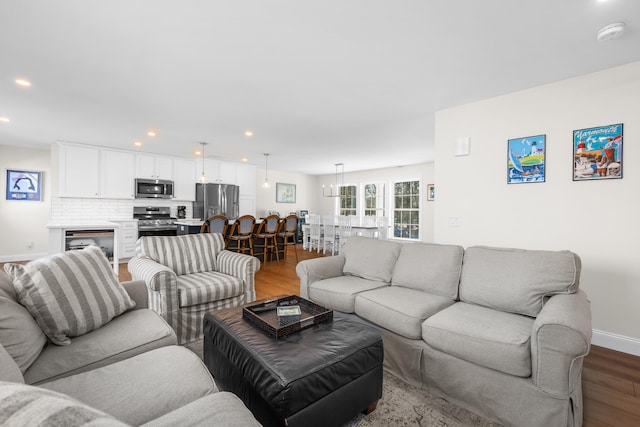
<point>153,188</point>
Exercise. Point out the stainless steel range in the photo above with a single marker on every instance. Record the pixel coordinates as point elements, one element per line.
<point>154,221</point>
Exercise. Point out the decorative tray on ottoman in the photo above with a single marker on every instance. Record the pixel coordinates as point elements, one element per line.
<point>265,316</point>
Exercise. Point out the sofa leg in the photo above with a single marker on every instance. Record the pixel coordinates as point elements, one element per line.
<point>371,408</point>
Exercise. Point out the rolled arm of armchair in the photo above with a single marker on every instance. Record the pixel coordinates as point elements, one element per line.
<point>312,270</point>
<point>560,338</point>
<point>162,287</point>
<point>242,266</point>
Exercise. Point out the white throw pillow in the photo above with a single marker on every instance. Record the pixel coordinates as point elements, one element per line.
<point>71,293</point>
<point>25,405</point>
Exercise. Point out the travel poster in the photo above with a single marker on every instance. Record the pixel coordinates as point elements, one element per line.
<point>526,157</point>
<point>597,153</point>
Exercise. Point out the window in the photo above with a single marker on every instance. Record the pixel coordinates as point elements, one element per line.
<point>374,200</point>
<point>406,210</point>
<point>348,200</point>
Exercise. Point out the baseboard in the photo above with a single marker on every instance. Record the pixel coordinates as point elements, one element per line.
<point>22,257</point>
<point>616,342</point>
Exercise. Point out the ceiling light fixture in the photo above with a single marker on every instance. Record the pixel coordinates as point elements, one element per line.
<point>138,144</point>
<point>248,133</point>
<point>266,184</point>
<point>23,82</point>
<point>610,32</point>
<point>331,192</point>
<point>4,119</point>
<point>151,133</point>
<point>203,176</point>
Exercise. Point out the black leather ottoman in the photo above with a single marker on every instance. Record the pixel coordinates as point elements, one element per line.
<point>321,376</point>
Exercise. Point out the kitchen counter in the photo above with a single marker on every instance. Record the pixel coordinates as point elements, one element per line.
<point>88,224</point>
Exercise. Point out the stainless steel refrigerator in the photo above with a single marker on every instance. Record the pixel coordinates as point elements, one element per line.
<point>216,199</point>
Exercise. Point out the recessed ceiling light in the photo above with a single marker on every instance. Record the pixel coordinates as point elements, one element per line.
<point>610,32</point>
<point>4,119</point>
<point>244,159</point>
<point>138,144</point>
<point>151,133</point>
<point>248,133</point>
<point>198,152</point>
<point>23,82</point>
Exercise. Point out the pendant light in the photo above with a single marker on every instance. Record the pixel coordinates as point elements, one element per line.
<point>203,176</point>
<point>266,184</point>
<point>336,192</point>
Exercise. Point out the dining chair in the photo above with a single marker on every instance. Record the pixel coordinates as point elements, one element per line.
<point>265,237</point>
<point>344,230</point>
<point>315,232</point>
<point>329,233</point>
<point>289,233</point>
<point>242,234</point>
<point>216,224</point>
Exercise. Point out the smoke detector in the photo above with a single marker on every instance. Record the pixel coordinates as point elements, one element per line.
<point>610,32</point>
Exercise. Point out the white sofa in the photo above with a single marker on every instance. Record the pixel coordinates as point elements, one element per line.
<point>128,371</point>
<point>502,332</point>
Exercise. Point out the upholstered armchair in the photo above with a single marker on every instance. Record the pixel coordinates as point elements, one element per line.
<point>187,276</point>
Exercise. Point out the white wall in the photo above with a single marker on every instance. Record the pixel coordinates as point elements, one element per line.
<point>422,172</point>
<point>23,222</point>
<point>306,197</point>
<point>599,220</point>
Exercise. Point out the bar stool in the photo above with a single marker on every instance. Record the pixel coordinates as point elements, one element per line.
<point>267,232</point>
<point>241,233</point>
<point>289,233</point>
<point>216,224</point>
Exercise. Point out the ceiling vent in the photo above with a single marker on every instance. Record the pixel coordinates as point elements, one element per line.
<point>610,32</point>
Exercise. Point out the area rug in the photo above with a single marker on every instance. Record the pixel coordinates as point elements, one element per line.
<point>405,405</point>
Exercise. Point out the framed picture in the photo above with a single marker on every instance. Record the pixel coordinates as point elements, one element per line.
<point>24,185</point>
<point>526,159</point>
<point>597,153</point>
<point>431,192</point>
<point>285,193</point>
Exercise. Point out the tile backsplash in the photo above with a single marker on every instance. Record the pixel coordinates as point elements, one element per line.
<point>66,208</point>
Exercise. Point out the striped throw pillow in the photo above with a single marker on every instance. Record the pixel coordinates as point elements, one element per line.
<point>71,293</point>
<point>25,405</point>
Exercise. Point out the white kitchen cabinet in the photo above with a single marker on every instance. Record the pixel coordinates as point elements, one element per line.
<point>154,167</point>
<point>246,179</point>
<point>78,171</point>
<point>184,184</point>
<point>227,173</point>
<point>127,237</point>
<point>117,174</point>
<point>105,235</point>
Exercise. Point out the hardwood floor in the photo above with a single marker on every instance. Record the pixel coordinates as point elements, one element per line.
<point>610,379</point>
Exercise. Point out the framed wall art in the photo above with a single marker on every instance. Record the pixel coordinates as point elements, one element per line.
<point>526,159</point>
<point>597,153</point>
<point>431,192</point>
<point>285,193</point>
<point>24,185</point>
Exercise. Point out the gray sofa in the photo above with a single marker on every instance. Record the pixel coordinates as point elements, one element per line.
<point>187,276</point>
<point>129,371</point>
<point>501,332</point>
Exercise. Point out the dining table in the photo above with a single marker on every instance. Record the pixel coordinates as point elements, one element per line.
<point>366,230</point>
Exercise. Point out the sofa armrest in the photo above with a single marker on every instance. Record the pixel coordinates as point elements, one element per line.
<point>242,266</point>
<point>137,290</point>
<point>312,270</point>
<point>560,338</point>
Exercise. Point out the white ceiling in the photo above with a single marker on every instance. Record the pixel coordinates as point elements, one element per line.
<point>318,81</point>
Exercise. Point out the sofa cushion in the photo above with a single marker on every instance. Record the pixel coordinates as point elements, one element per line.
<point>400,310</point>
<point>9,370</point>
<point>369,258</point>
<point>20,335</point>
<point>135,332</point>
<point>6,287</point>
<point>339,293</point>
<point>200,288</point>
<point>141,388</point>
<point>191,253</point>
<point>517,280</point>
<point>480,335</point>
<point>25,405</point>
<point>71,293</point>
<point>429,267</point>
